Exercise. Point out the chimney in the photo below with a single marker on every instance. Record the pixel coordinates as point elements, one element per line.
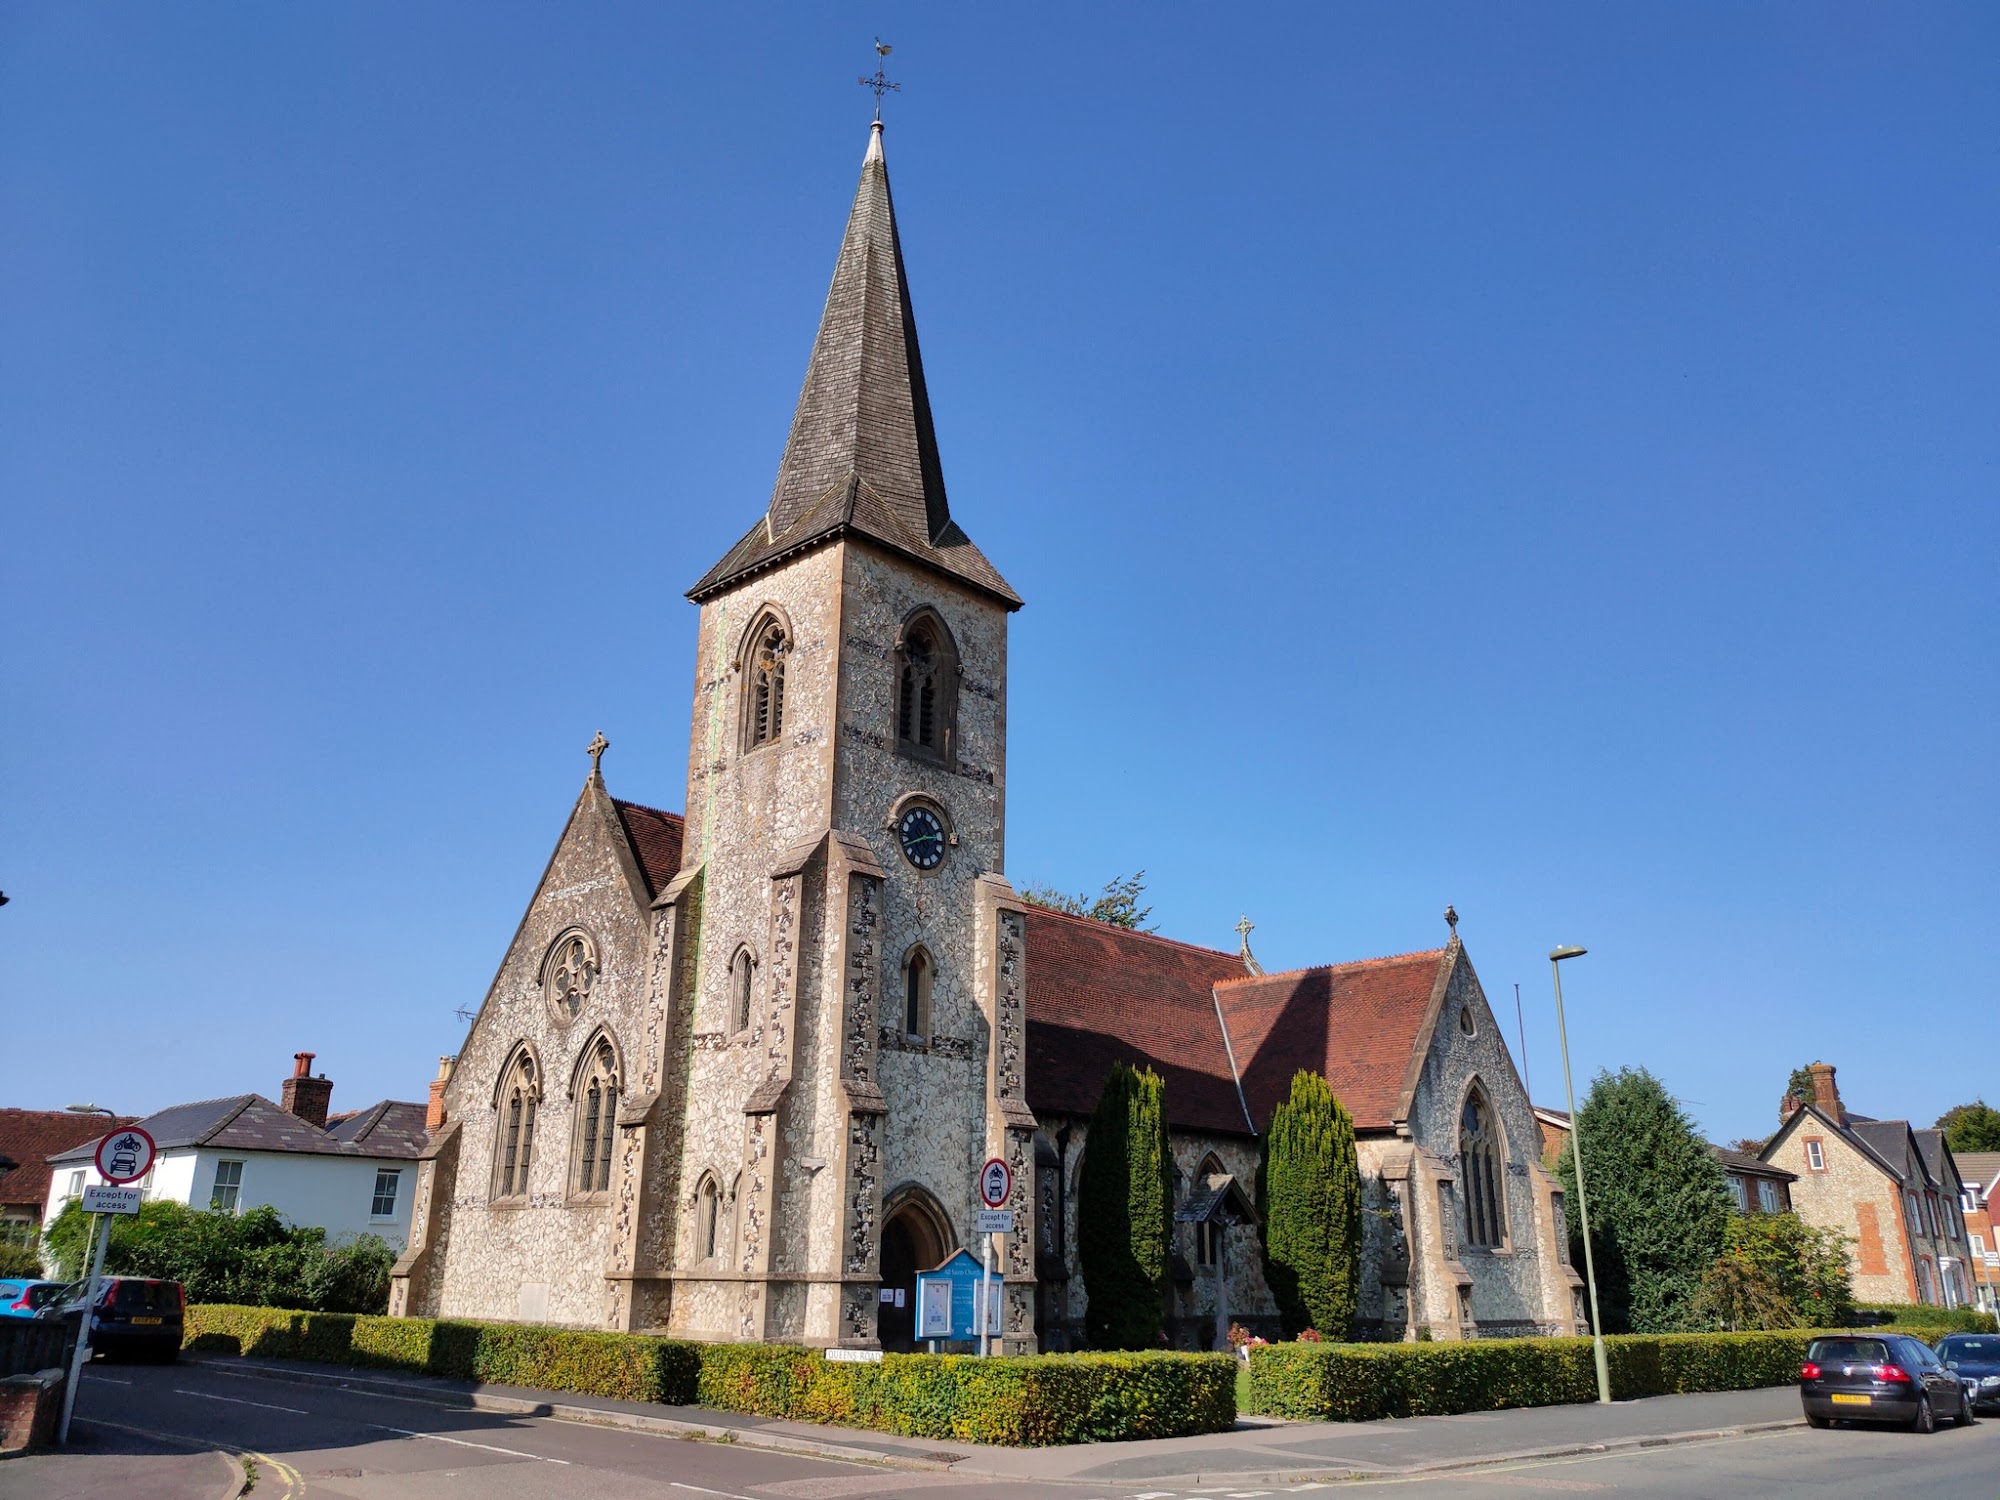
<point>304,1095</point>
<point>1826,1096</point>
<point>1787,1107</point>
<point>434,1115</point>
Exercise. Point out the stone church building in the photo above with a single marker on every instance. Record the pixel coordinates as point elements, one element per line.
<point>739,1067</point>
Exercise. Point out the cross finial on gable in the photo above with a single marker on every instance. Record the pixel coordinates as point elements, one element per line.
<point>1244,927</point>
<point>1451,918</point>
<point>595,750</point>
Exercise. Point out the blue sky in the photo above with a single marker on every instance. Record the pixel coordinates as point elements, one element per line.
<point>1540,458</point>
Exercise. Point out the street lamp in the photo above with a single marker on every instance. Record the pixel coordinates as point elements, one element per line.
<point>90,1109</point>
<point>1556,957</point>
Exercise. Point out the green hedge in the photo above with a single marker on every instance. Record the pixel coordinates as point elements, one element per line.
<point>1360,1382</point>
<point>1023,1402</point>
<point>1936,1321</point>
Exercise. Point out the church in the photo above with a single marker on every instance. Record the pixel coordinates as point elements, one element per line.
<point>740,1065</point>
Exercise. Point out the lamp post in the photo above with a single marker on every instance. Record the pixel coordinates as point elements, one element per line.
<point>1556,957</point>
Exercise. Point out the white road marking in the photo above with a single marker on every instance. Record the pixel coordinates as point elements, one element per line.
<point>438,1437</point>
<point>95,1377</point>
<point>233,1401</point>
<point>697,1489</point>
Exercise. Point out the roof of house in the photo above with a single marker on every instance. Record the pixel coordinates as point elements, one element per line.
<point>31,1137</point>
<point>1937,1158</point>
<point>862,455</point>
<point>656,841</point>
<point>1740,1161</point>
<point>250,1122</point>
<point>1982,1167</point>
<point>1099,994</point>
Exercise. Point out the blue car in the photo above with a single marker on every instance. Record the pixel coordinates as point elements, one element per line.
<point>23,1299</point>
<point>1975,1359</point>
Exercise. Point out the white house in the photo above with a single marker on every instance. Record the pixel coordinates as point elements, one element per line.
<point>348,1174</point>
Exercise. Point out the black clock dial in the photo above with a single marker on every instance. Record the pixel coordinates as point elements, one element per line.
<point>922,837</point>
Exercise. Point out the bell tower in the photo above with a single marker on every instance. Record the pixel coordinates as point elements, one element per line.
<point>841,960</point>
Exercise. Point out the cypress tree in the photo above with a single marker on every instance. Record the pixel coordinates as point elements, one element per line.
<point>1125,1211</point>
<point>1309,1199</point>
<point>1659,1203</point>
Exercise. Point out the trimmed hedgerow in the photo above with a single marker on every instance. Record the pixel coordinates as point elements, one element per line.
<point>1360,1382</point>
<point>1934,1322</point>
<point>1021,1401</point>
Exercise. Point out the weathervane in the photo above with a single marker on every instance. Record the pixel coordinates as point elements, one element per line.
<point>880,82</point>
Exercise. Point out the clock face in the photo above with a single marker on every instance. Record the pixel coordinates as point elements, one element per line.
<point>922,837</point>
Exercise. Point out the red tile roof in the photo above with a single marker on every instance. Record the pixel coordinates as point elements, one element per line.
<point>31,1137</point>
<point>656,840</point>
<point>1354,1024</point>
<point>1099,994</point>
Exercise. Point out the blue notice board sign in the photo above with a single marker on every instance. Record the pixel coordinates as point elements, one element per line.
<point>948,1300</point>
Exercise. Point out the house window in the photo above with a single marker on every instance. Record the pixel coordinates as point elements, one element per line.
<point>1926,1287</point>
<point>1815,1156</point>
<point>1979,1244</point>
<point>926,687</point>
<point>514,1150</point>
<point>742,989</point>
<point>222,1198</point>
<point>75,1189</point>
<point>1769,1198</point>
<point>597,1119</point>
<point>918,972</point>
<point>1479,1158</point>
<point>387,1179</point>
<point>1910,1215</point>
<point>1739,1190</point>
<point>764,683</point>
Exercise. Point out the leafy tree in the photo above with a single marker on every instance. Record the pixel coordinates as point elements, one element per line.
<point>1118,905</point>
<point>1971,1127</point>
<point>1659,1203</point>
<point>1309,1197</point>
<point>1807,1265</point>
<point>1749,1146</point>
<point>21,1261</point>
<point>1125,1211</point>
<point>1799,1087</point>
<point>254,1258</point>
<point>1741,1296</point>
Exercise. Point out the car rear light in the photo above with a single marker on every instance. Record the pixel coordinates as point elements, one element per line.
<point>1892,1373</point>
<point>1809,1371</point>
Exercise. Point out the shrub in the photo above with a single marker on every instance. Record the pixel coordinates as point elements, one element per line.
<point>1309,1195</point>
<point>1934,1322</point>
<point>1022,1401</point>
<point>1125,1207</point>
<point>1763,1254</point>
<point>20,1261</point>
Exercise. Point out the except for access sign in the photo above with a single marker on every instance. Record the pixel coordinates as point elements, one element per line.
<point>995,1221</point>
<point>996,1182</point>
<point>125,1155</point>
<point>100,1199</point>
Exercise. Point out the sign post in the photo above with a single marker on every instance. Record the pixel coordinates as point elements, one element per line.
<point>996,1186</point>
<point>123,1157</point>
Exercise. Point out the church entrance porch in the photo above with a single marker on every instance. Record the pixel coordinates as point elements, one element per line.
<point>915,1237</point>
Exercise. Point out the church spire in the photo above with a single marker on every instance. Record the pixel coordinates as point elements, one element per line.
<point>862,456</point>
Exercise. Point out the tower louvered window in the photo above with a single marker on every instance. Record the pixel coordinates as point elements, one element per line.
<point>766,687</point>
<point>917,994</point>
<point>926,688</point>
<point>1479,1165</point>
<point>742,989</point>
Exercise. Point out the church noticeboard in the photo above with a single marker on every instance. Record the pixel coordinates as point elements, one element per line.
<point>948,1300</point>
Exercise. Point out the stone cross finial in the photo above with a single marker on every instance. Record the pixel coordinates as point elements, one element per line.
<point>1244,928</point>
<point>1451,919</point>
<point>595,750</point>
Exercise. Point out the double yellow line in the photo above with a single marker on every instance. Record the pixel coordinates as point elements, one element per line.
<point>293,1482</point>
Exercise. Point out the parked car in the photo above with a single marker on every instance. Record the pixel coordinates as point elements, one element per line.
<point>133,1315</point>
<point>1885,1379</point>
<point>1975,1359</point>
<point>23,1299</point>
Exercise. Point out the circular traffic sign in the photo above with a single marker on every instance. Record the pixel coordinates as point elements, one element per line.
<point>996,1182</point>
<point>125,1155</point>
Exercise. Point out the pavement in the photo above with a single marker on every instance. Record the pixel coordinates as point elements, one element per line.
<point>174,1433</point>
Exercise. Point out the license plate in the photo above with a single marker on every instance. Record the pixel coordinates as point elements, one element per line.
<point>1850,1400</point>
<point>155,1322</point>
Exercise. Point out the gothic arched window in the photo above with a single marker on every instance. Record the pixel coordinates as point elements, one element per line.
<point>708,1218</point>
<point>1479,1165</point>
<point>596,1117</point>
<point>514,1146</point>
<point>768,644</point>
<point>919,971</point>
<point>742,989</point>
<point>569,972</point>
<point>926,688</point>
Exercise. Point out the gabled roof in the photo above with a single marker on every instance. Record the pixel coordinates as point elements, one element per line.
<point>1885,1143</point>
<point>1937,1158</point>
<point>862,457</point>
<point>250,1122</point>
<point>1982,1167</point>
<point>32,1136</point>
<point>656,841</point>
<point>393,1127</point>
<point>1740,1161</point>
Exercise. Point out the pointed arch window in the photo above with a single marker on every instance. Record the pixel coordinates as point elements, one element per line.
<point>926,688</point>
<point>596,1118</point>
<point>919,974</point>
<point>767,648</point>
<point>518,1102</point>
<point>711,1223</point>
<point>742,989</point>
<point>1480,1166</point>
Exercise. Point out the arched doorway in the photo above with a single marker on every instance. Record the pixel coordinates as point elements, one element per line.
<point>916,1236</point>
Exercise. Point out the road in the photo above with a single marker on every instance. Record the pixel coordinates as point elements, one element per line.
<point>321,1442</point>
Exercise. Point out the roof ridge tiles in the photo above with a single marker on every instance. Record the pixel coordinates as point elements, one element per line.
<point>1352,963</point>
<point>1131,932</point>
<point>658,812</point>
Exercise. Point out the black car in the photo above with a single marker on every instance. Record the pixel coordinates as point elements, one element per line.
<point>134,1315</point>
<point>1975,1359</point>
<point>1880,1379</point>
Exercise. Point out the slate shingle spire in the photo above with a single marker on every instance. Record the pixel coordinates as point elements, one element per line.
<point>862,455</point>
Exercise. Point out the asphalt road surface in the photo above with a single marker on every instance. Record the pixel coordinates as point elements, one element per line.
<point>324,1443</point>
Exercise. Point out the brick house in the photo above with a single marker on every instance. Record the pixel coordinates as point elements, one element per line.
<point>1981,1173</point>
<point>1755,1187</point>
<point>1893,1190</point>
<point>28,1138</point>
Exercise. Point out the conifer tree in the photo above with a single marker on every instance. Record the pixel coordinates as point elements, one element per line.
<point>1309,1199</point>
<point>1125,1211</point>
